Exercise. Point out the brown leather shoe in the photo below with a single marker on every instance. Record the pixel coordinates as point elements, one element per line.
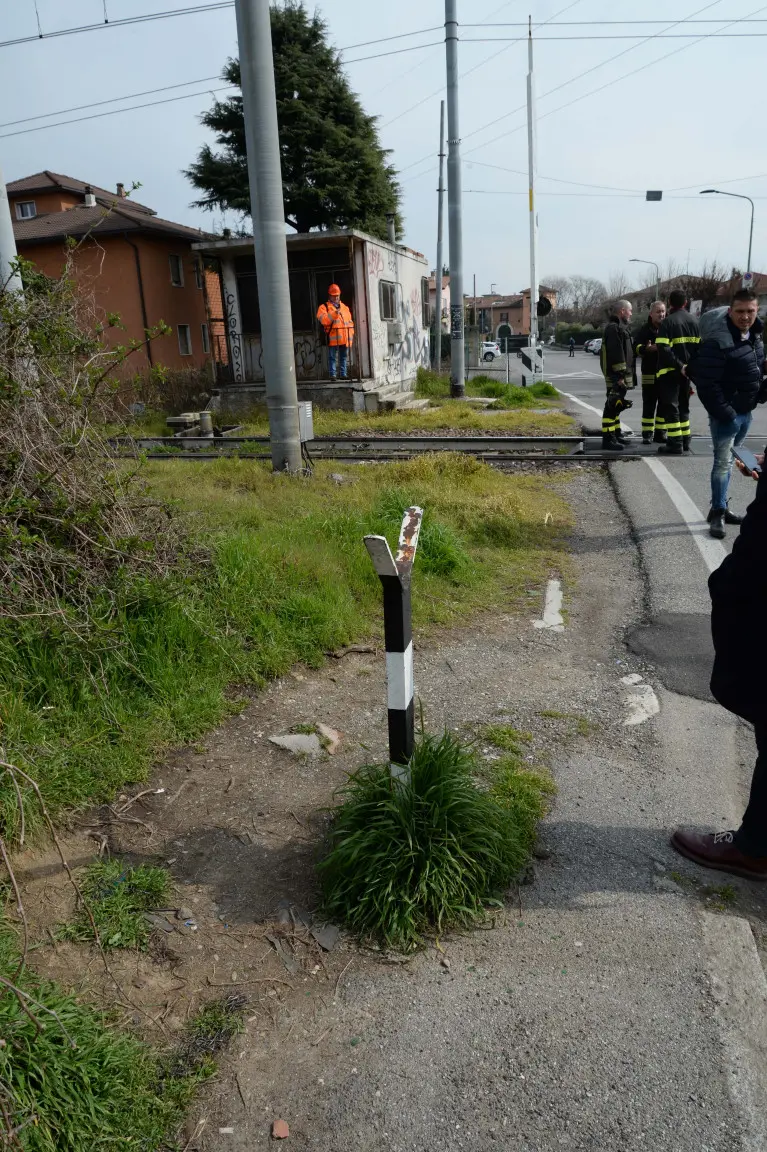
<point>716,850</point>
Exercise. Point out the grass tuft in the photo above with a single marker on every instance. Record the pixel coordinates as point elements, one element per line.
<point>79,1083</point>
<point>427,855</point>
<point>118,896</point>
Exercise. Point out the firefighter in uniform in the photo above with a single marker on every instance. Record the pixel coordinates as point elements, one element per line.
<point>616,358</point>
<point>677,344</point>
<point>646,349</point>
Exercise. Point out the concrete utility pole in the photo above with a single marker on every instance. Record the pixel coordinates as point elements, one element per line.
<point>436,352</point>
<point>537,365</point>
<point>259,103</point>
<point>455,222</point>
<point>10,282</point>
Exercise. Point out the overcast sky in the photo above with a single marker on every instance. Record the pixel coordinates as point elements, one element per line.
<point>691,121</point>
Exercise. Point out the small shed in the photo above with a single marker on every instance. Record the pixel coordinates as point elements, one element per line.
<point>386,287</point>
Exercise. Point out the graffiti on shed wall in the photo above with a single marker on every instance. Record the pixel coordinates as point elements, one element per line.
<point>396,363</point>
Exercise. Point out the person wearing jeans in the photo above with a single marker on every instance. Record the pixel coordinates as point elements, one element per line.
<point>738,590</point>
<point>338,356</point>
<point>728,373</point>
<point>338,326</point>
<point>726,435</point>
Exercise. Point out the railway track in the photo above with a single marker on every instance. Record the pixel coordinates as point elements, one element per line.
<point>491,449</point>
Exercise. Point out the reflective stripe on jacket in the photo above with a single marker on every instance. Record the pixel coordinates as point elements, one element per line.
<point>678,339</point>
<point>338,324</point>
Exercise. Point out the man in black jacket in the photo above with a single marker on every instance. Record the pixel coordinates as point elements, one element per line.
<point>739,602</point>
<point>677,343</point>
<point>646,349</point>
<point>728,375</point>
<point>616,358</point>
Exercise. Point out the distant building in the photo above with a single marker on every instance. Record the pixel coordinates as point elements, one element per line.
<point>387,288</point>
<point>444,311</point>
<point>133,262</point>
<point>499,317</point>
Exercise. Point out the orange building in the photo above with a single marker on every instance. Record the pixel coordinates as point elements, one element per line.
<point>134,264</point>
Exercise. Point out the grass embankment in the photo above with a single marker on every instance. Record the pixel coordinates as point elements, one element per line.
<point>284,578</point>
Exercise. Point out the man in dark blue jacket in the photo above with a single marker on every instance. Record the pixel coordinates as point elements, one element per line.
<point>728,373</point>
<point>739,605</point>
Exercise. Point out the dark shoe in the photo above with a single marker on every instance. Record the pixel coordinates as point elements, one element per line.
<point>671,448</point>
<point>659,438</point>
<point>716,521</point>
<point>717,850</point>
<point>729,517</point>
<point>686,444</point>
<point>647,437</point>
<point>611,444</point>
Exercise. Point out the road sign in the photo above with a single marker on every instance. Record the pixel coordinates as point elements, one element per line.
<point>748,280</point>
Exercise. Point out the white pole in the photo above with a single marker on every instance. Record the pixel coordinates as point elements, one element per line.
<point>436,359</point>
<point>9,281</point>
<point>531,164</point>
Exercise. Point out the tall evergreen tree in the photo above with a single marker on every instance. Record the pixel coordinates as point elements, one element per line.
<point>335,172</point>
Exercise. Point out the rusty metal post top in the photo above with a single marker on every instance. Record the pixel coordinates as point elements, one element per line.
<point>380,553</point>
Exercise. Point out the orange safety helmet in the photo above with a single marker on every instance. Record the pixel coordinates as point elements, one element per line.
<point>334,290</point>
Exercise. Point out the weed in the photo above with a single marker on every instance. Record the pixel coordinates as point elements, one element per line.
<point>78,1083</point>
<point>508,738</point>
<point>428,854</point>
<point>721,895</point>
<point>118,897</point>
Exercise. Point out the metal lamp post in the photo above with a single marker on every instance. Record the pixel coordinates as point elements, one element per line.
<point>636,260</point>
<point>737,196</point>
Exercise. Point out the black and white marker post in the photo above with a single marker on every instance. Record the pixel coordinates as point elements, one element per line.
<point>395,575</point>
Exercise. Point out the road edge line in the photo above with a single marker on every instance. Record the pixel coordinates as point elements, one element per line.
<point>712,551</point>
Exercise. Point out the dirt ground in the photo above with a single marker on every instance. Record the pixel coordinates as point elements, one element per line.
<point>239,823</point>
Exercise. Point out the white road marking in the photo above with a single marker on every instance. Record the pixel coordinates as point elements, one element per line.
<point>642,701</point>
<point>552,609</point>
<point>739,992</point>
<point>591,408</point>
<point>712,551</point>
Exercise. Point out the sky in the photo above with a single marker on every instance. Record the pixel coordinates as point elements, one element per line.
<point>671,114</point>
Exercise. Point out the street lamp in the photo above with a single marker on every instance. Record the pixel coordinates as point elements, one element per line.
<point>738,196</point>
<point>636,260</point>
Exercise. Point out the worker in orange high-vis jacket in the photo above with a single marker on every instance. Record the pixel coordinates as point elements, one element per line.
<point>336,320</point>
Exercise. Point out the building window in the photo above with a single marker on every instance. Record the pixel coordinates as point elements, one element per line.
<point>505,316</point>
<point>176,271</point>
<point>205,338</point>
<point>387,299</point>
<point>184,339</point>
<point>26,210</point>
<point>198,273</point>
<point>425,306</point>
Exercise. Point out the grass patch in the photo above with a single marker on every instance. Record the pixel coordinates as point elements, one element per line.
<point>428,855</point>
<point>282,576</point>
<point>436,387</point>
<point>118,897</point>
<point>449,415</point>
<point>506,737</point>
<point>80,1083</point>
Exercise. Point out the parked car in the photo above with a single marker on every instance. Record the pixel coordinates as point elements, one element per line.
<point>587,345</point>
<point>490,349</point>
<point>596,346</point>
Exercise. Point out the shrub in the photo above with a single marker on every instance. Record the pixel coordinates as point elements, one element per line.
<point>427,854</point>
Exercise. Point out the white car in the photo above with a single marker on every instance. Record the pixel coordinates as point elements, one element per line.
<point>490,349</point>
<point>588,344</point>
<point>596,346</point>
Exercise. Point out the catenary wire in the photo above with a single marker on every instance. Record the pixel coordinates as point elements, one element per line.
<point>116,111</point>
<point>114,100</point>
<point>117,23</point>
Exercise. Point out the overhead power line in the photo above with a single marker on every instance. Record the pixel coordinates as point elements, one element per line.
<point>115,112</point>
<point>121,23</point>
<point>114,100</point>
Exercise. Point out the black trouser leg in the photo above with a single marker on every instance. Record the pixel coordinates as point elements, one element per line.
<point>751,837</point>
<point>684,410</point>
<point>668,391</point>
<point>611,421</point>
<point>650,406</point>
